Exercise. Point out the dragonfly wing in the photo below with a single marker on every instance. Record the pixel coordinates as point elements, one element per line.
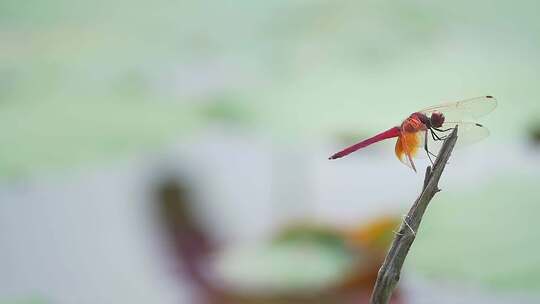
<point>468,109</point>
<point>468,133</point>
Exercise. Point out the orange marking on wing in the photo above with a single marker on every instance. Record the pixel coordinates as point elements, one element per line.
<point>410,141</point>
<point>407,147</point>
<point>399,149</point>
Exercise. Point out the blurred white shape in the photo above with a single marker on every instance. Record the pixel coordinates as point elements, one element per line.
<point>84,238</point>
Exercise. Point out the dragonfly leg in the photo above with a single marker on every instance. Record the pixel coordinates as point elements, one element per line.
<point>426,147</point>
<point>435,136</point>
<point>444,130</point>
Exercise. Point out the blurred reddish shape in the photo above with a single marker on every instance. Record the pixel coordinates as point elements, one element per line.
<point>193,247</point>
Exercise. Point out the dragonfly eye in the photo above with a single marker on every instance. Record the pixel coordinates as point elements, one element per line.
<point>437,119</point>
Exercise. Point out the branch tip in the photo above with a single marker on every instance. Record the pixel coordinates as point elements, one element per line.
<point>388,275</point>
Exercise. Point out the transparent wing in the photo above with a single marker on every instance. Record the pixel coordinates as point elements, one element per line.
<point>468,109</point>
<point>468,133</point>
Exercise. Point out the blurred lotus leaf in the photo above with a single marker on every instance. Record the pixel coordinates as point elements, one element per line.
<point>307,260</point>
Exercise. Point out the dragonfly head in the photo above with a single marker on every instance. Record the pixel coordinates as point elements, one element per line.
<point>436,119</point>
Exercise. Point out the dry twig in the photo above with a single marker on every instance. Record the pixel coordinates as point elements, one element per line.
<point>390,270</point>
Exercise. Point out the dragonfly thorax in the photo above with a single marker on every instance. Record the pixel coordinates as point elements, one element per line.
<point>434,121</point>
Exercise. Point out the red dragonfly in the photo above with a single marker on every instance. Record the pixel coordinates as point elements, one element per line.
<point>427,128</point>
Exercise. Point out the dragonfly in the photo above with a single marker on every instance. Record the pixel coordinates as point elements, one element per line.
<point>428,128</point>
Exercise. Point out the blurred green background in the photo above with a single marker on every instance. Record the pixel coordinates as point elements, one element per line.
<point>87,83</point>
<point>105,78</point>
